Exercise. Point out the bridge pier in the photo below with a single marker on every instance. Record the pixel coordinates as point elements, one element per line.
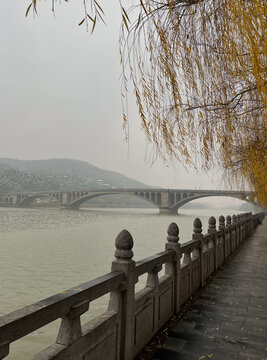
<point>164,210</point>
<point>68,207</point>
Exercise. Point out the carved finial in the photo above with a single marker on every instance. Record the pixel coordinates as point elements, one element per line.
<point>234,219</point>
<point>173,233</point>
<point>197,234</point>
<point>228,220</point>
<point>238,218</point>
<point>124,245</point>
<point>212,225</point>
<point>221,222</point>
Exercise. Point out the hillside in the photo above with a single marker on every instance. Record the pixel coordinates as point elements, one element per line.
<point>58,175</point>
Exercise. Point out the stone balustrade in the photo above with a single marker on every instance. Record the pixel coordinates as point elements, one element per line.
<point>132,318</point>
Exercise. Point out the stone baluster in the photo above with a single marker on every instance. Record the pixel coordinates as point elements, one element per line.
<point>197,235</point>
<point>225,240</point>
<point>153,282</point>
<point>238,229</point>
<point>187,257</point>
<point>244,219</point>
<point>234,230</point>
<point>251,226</point>
<point>153,278</point>
<point>247,225</point>
<point>70,328</point>
<point>212,230</point>
<point>241,227</point>
<point>188,262</point>
<point>229,229</point>
<point>174,268</point>
<point>122,300</point>
<point>4,350</point>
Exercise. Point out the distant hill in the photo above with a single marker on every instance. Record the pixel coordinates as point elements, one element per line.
<point>58,175</point>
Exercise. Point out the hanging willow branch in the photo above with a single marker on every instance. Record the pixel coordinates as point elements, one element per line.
<point>198,71</point>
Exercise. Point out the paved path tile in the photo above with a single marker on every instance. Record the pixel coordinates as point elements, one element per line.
<point>229,319</point>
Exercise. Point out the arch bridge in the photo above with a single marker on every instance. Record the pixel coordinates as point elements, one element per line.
<point>167,200</point>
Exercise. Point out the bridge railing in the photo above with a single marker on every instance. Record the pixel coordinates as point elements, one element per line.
<point>132,318</point>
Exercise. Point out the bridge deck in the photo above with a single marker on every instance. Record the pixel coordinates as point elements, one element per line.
<point>229,319</point>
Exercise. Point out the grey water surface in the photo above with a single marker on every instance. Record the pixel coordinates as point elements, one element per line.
<point>45,251</point>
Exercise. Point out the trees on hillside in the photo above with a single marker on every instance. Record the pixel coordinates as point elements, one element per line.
<point>198,70</point>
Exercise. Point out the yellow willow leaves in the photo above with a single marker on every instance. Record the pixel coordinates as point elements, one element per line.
<point>205,91</point>
<point>198,70</point>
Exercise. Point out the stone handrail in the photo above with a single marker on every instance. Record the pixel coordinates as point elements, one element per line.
<point>132,318</point>
<point>148,264</point>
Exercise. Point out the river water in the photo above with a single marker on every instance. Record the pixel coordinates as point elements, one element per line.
<point>45,251</point>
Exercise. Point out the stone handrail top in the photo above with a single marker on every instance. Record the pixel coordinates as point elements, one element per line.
<point>192,244</point>
<point>145,265</point>
<point>207,237</point>
<point>41,313</point>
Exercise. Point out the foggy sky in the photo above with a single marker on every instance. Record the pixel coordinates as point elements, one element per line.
<point>60,95</point>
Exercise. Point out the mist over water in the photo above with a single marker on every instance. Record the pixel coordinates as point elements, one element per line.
<point>45,251</point>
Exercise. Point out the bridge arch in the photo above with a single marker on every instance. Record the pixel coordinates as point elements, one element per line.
<point>146,196</point>
<point>26,201</point>
<point>191,197</point>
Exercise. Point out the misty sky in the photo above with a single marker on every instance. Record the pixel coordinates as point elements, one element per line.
<point>60,95</point>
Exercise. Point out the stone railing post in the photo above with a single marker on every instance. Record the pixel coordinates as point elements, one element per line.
<point>250,226</point>
<point>175,267</point>
<point>212,230</point>
<point>222,228</point>
<point>238,229</point>
<point>244,219</point>
<point>122,301</point>
<point>241,220</point>
<point>229,229</point>
<point>235,231</point>
<point>197,235</point>
<point>247,225</point>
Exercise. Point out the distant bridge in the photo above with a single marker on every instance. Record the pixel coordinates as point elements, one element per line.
<point>167,200</point>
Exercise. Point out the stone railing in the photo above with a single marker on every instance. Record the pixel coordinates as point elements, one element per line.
<point>132,318</point>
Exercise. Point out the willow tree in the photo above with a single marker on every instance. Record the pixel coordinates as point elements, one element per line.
<point>198,68</point>
<point>198,71</point>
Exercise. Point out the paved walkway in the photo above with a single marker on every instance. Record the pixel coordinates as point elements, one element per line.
<point>229,319</point>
